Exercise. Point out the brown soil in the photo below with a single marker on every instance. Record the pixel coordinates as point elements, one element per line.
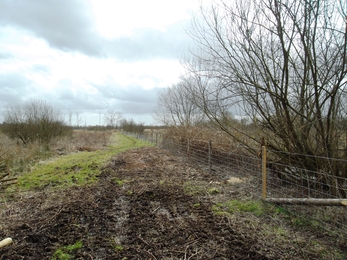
<point>145,206</point>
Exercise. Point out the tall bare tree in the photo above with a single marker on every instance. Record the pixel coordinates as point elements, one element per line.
<point>175,107</point>
<point>284,62</point>
<point>112,117</point>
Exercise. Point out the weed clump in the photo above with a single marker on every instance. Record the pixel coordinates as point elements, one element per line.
<point>234,206</point>
<point>64,253</point>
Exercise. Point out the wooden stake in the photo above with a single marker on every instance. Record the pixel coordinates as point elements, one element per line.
<point>264,172</point>
<point>209,156</point>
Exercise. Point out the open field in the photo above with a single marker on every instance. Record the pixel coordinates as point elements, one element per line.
<point>145,203</point>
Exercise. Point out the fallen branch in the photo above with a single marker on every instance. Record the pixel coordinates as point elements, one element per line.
<point>4,175</point>
<point>10,179</point>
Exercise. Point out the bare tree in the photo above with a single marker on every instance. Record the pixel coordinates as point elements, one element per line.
<point>99,118</point>
<point>284,62</point>
<point>175,107</point>
<point>129,125</point>
<point>69,114</point>
<point>78,119</point>
<point>112,117</point>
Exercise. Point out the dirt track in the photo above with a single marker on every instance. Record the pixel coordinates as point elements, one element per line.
<point>139,209</point>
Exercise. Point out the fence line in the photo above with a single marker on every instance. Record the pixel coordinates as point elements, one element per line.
<point>285,184</point>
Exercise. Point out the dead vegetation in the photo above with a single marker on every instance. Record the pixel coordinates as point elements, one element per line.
<point>149,204</point>
<point>16,159</point>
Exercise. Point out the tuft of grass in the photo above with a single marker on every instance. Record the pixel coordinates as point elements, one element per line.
<point>119,247</point>
<point>80,168</point>
<point>64,252</point>
<point>119,182</point>
<point>194,189</point>
<point>232,206</point>
<point>213,190</point>
<point>280,210</point>
<point>196,205</point>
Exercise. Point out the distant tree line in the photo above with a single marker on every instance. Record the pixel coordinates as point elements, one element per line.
<point>127,125</point>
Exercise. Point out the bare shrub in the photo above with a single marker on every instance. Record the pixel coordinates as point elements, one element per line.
<point>34,121</point>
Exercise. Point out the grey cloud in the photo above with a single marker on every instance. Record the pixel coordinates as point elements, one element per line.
<point>68,96</point>
<point>133,99</point>
<point>78,103</point>
<point>64,24</point>
<point>68,25</point>
<point>137,94</point>
<point>137,108</point>
<point>138,101</point>
<point>4,56</point>
<point>150,43</point>
<point>132,102</point>
<point>131,93</point>
<point>44,69</point>
<point>13,88</point>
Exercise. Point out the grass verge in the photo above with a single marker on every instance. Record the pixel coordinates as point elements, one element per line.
<point>80,168</point>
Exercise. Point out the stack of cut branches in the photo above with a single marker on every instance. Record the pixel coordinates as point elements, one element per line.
<point>5,179</point>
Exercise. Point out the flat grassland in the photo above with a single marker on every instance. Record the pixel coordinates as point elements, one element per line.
<point>131,201</point>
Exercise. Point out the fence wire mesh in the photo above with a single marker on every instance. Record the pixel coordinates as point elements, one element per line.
<point>302,176</point>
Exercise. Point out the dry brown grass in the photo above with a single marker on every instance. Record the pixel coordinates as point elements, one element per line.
<point>205,134</point>
<point>17,159</point>
<point>82,140</point>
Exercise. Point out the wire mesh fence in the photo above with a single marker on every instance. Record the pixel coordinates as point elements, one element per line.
<point>297,181</point>
<point>307,177</point>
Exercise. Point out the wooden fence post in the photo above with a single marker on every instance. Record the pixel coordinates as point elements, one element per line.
<point>263,152</point>
<point>188,148</point>
<point>209,156</point>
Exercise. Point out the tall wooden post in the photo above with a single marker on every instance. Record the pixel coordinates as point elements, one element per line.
<point>209,156</point>
<point>263,152</point>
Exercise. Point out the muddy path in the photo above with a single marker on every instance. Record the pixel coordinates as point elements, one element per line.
<point>147,204</point>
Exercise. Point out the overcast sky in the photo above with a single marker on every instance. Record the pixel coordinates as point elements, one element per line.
<point>88,56</point>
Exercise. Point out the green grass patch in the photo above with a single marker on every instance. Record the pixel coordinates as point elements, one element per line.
<point>118,247</point>
<point>213,190</point>
<point>194,189</point>
<point>64,253</point>
<point>80,168</point>
<point>232,206</point>
<point>119,182</point>
<point>196,205</point>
